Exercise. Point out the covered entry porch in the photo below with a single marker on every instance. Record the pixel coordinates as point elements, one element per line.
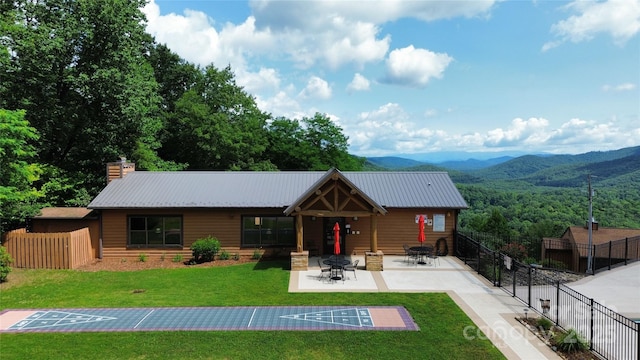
<point>335,199</point>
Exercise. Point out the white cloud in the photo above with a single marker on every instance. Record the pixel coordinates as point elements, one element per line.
<point>316,88</point>
<point>521,132</point>
<point>264,79</point>
<point>620,87</point>
<point>190,35</point>
<point>618,18</point>
<point>296,14</point>
<point>280,104</point>
<point>336,33</point>
<point>415,67</point>
<point>390,130</point>
<point>359,83</point>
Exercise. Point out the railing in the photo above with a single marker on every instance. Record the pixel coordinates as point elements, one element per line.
<point>610,335</point>
<point>605,256</point>
<point>67,250</point>
<point>558,252</point>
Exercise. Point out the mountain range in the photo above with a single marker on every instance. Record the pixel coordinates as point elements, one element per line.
<point>604,167</point>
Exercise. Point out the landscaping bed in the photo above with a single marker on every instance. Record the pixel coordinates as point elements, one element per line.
<point>552,336</point>
<point>130,264</point>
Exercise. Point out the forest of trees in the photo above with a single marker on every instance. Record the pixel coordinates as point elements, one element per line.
<point>82,84</point>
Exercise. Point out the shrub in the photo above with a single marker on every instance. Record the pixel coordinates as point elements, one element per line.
<point>516,251</point>
<point>224,255</point>
<point>205,250</point>
<point>256,254</point>
<point>5,264</point>
<point>177,258</point>
<point>571,341</point>
<point>544,323</point>
<point>142,257</point>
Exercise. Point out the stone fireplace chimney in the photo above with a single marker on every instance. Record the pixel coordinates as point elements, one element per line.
<point>118,169</point>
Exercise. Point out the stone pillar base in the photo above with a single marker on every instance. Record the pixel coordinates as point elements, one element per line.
<point>300,261</point>
<point>373,260</point>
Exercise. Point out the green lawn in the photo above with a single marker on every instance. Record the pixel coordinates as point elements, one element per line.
<point>441,322</point>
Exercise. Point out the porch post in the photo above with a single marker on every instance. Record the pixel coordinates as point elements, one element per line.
<point>373,259</point>
<point>374,233</point>
<point>299,258</point>
<point>299,233</point>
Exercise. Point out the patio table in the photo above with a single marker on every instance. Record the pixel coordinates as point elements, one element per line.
<point>337,263</point>
<point>422,251</point>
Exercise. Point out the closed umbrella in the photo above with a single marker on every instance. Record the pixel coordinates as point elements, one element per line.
<point>336,237</point>
<point>421,238</point>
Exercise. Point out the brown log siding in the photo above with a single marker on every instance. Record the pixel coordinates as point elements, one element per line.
<point>396,228</point>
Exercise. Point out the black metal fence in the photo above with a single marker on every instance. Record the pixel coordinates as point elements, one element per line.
<point>563,255</point>
<point>610,335</point>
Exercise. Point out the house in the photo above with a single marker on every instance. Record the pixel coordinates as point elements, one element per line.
<point>609,246</point>
<point>284,212</point>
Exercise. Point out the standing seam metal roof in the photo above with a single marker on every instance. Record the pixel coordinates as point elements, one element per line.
<point>243,189</point>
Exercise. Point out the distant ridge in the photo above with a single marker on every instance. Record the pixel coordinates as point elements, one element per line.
<point>394,162</point>
<point>608,168</point>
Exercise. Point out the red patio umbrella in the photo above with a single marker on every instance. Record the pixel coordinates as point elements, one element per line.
<point>421,229</point>
<point>336,237</point>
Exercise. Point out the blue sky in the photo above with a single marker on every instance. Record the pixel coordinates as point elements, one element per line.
<point>415,77</point>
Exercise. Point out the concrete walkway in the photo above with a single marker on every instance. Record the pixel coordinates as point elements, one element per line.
<point>490,308</point>
<point>617,289</point>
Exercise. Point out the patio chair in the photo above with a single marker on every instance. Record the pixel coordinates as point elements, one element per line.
<point>409,254</point>
<point>432,257</point>
<point>352,268</point>
<point>324,269</point>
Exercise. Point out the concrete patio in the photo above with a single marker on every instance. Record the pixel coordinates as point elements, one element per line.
<point>490,308</point>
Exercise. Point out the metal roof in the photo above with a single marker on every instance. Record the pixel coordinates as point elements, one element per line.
<point>255,189</point>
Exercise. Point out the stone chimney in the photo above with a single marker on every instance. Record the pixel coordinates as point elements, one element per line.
<point>118,169</point>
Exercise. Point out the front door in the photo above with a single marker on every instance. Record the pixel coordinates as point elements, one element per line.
<point>328,225</point>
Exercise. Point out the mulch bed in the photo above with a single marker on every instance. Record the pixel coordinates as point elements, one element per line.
<point>132,264</point>
<point>531,324</point>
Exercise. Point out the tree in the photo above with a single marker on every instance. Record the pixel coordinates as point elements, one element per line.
<point>80,70</point>
<point>496,224</point>
<point>18,172</point>
<point>315,143</point>
<point>216,126</point>
<point>288,149</point>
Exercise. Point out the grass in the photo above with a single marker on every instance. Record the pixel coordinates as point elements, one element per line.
<point>253,284</point>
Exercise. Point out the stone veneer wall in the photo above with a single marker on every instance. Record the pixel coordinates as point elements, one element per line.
<point>300,261</point>
<point>373,260</point>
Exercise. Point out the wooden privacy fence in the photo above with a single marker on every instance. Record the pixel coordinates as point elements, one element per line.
<point>66,250</point>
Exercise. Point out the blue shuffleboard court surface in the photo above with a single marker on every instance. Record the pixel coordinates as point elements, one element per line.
<point>208,319</point>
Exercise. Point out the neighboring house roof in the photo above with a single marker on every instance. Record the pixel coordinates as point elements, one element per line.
<point>70,213</point>
<point>242,189</point>
<point>602,235</point>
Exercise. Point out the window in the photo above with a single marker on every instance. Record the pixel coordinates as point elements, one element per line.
<point>268,231</point>
<point>438,222</point>
<point>155,231</point>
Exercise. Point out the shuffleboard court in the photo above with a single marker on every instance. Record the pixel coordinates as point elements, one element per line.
<point>209,319</point>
